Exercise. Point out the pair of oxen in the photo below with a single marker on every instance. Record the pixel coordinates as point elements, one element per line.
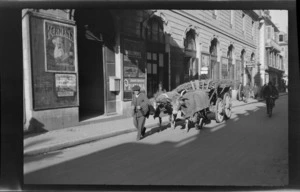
<point>193,105</point>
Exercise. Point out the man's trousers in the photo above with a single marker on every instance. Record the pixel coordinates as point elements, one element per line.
<point>139,123</point>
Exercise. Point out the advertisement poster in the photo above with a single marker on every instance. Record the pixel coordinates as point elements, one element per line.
<point>65,85</point>
<point>130,82</point>
<point>133,66</point>
<point>59,47</point>
<point>204,64</point>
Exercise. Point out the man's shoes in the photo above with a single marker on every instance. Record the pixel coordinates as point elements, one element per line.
<point>143,132</point>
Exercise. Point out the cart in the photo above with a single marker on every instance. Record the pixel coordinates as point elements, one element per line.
<point>219,94</point>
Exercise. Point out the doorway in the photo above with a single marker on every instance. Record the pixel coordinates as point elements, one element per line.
<point>95,32</point>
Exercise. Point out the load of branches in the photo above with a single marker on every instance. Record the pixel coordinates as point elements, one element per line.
<point>205,85</point>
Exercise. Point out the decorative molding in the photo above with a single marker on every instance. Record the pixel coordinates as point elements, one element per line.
<point>210,26</point>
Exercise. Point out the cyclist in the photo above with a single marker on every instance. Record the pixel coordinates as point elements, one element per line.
<point>270,92</point>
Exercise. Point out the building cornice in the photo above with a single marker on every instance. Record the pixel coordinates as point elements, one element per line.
<point>206,24</point>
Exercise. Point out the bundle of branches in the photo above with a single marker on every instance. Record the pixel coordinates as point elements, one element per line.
<point>187,86</point>
<point>165,97</point>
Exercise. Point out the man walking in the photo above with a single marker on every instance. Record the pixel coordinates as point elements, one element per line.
<point>270,92</point>
<point>140,107</point>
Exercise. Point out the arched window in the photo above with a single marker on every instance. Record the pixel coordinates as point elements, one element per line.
<point>213,47</point>
<point>190,40</point>
<point>230,62</point>
<point>214,65</point>
<point>154,30</point>
<point>190,61</point>
<point>252,57</point>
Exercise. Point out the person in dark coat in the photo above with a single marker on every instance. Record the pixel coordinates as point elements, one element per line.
<point>140,107</point>
<point>270,90</point>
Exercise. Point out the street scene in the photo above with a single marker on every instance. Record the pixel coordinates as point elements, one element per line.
<point>155,97</point>
<point>250,149</point>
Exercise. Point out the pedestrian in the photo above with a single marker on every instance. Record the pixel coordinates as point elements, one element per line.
<point>140,108</point>
<point>270,91</point>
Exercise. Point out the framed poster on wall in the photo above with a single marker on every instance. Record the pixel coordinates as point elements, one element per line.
<point>65,85</point>
<point>59,47</point>
<point>204,66</point>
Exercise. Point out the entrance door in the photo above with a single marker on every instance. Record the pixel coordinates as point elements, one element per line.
<point>96,62</point>
<point>91,78</point>
<point>157,72</point>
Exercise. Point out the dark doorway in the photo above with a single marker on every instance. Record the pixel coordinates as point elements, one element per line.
<point>94,34</point>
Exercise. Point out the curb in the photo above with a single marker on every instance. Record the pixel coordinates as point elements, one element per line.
<point>47,149</point>
<point>68,144</point>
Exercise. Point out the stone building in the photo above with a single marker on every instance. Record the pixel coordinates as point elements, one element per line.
<point>283,43</point>
<point>271,55</point>
<point>81,64</point>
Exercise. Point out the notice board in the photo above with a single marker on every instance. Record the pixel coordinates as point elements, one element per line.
<point>54,64</point>
<point>133,66</point>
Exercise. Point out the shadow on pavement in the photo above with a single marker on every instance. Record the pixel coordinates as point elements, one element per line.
<point>239,153</point>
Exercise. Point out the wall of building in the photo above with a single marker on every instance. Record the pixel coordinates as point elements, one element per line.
<point>131,24</point>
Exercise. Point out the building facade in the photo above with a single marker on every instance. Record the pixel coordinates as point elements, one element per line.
<point>283,43</point>
<point>272,57</point>
<point>81,64</point>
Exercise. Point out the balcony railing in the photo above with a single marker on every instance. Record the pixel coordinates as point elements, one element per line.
<point>270,43</point>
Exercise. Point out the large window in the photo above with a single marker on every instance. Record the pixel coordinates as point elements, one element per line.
<point>190,61</point>
<point>230,64</point>
<point>280,38</point>
<point>155,31</point>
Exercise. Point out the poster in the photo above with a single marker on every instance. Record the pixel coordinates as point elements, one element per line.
<point>130,82</point>
<point>65,85</point>
<point>59,46</point>
<point>204,64</point>
<point>134,68</point>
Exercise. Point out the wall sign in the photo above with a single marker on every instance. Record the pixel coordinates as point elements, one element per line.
<point>65,85</point>
<point>59,46</point>
<point>204,63</point>
<point>130,82</point>
<point>133,66</point>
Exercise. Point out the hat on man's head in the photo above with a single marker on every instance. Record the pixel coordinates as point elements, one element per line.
<point>136,88</point>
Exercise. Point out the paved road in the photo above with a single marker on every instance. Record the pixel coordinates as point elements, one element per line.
<point>249,149</point>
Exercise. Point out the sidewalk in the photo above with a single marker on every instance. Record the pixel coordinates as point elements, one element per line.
<point>69,137</point>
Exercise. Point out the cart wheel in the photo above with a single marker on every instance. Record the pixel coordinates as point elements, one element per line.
<point>227,105</point>
<point>219,111</point>
<point>201,123</point>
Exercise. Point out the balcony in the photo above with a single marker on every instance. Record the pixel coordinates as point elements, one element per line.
<point>273,45</point>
